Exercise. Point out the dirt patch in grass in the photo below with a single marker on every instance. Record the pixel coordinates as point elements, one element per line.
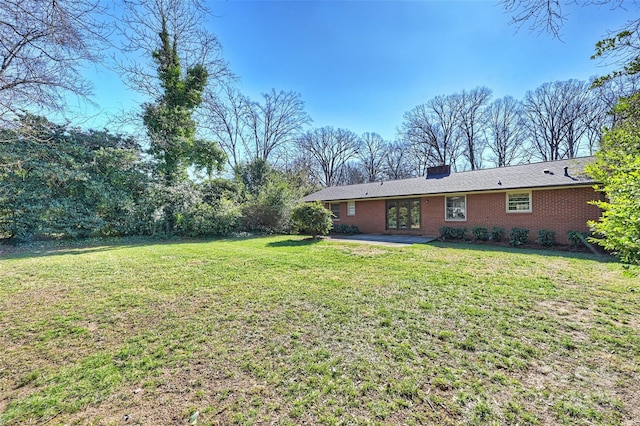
<point>364,250</point>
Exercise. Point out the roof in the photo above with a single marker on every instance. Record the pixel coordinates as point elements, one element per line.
<point>525,176</point>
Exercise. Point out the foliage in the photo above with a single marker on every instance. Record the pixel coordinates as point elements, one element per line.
<point>617,169</point>
<point>480,233</point>
<point>254,175</point>
<point>267,196</point>
<point>62,182</point>
<point>344,228</point>
<point>196,212</point>
<point>497,234</point>
<point>518,236</point>
<point>623,45</point>
<point>452,233</point>
<point>269,210</point>
<point>546,238</point>
<point>169,122</point>
<point>575,238</point>
<point>312,218</point>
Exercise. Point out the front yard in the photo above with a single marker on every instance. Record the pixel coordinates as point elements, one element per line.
<point>282,330</point>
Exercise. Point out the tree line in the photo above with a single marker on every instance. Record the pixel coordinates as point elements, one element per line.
<point>204,159</point>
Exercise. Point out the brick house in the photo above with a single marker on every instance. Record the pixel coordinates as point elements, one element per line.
<point>550,195</point>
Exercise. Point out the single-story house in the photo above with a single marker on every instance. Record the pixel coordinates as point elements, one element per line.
<point>551,195</point>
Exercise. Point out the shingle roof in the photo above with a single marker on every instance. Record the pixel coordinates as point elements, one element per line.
<point>536,175</point>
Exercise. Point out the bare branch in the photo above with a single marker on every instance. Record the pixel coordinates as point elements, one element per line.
<point>42,45</point>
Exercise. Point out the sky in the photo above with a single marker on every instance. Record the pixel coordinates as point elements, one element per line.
<point>361,65</point>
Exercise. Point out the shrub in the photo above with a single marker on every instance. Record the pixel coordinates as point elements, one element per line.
<point>268,210</point>
<point>574,238</point>
<point>451,233</point>
<point>518,236</point>
<point>497,234</point>
<point>480,233</point>
<point>311,218</point>
<point>343,228</point>
<point>546,238</point>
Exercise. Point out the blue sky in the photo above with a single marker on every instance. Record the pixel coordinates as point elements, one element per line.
<point>361,64</point>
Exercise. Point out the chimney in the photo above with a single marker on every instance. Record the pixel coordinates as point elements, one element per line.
<point>438,171</point>
<point>566,170</point>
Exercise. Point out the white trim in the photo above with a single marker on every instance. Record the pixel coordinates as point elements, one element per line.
<point>334,218</point>
<point>351,204</point>
<point>450,194</point>
<point>464,218</point>
<point>506,201</point>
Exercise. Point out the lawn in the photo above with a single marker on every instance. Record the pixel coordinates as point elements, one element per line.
<point>281,330</point>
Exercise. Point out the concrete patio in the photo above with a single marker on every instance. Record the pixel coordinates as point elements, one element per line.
<point>384,240</point>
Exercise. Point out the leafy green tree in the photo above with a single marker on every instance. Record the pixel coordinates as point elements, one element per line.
<point>312,218</point>
<point>617,168</point>
<point>63,182</point>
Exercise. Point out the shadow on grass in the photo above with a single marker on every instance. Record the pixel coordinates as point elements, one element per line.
<point>295,243</point>
<point>550,252</point>
<point>70,247</point>
<point>97,245</point>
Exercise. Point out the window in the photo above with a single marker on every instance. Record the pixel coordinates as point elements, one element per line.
<point>335,211</point>
<point>456,208</point>
<point>403,214</point>
<point>351,208</point>
<point>518,202</point>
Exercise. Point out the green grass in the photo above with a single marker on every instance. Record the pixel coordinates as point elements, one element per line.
<point>287,331</point>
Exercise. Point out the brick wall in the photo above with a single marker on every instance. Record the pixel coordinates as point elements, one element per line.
<point>560,210</point>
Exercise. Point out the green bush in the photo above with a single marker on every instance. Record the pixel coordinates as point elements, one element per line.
<point>343,228</point>
<point>518,236</point>
<point>268,210</point>
<point>546,238</point>
<point>312,219</point>
<point>574,238</point>
<point>497,234</point>
<point>451,233</point>
<point>480,233</point>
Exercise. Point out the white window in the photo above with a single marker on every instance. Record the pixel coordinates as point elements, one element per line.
<point>335,211</point>
<point>456,207</point>
<point>519,202</point>
<point>351,208</point>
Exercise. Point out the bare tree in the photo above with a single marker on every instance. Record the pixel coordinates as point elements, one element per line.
<point>431,128</point>
<point>372,155</point>
<point>330,149</point>
<point>273,123</point>
<point>352,174</point>
<point>42,45</point>
<point>553,114</point>
<point>224,117</point>
<point>397,164</point>
<point>505,134</point>
<point>542,15</point>
<point>621,46</point>
<point>471,123</point>
<point>140,24</point>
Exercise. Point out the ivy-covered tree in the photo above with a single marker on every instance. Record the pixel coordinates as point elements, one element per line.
<point>617,168</point>
<point>169,122</point>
